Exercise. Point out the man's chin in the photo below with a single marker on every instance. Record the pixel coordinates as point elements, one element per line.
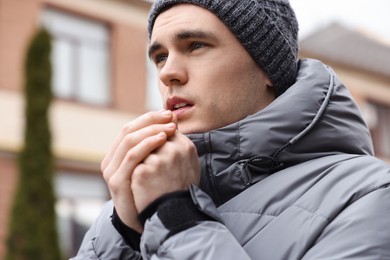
<point>193,128</point>
<point>187,128</point>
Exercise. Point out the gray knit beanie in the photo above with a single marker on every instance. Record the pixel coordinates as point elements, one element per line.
<point>268,30</point>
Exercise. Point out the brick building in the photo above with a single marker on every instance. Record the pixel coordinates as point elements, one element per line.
<point>99,81</point>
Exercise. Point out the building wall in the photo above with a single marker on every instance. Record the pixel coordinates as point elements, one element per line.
<point>18,20</point>
<point>130,65</point>
<point>82,133</point>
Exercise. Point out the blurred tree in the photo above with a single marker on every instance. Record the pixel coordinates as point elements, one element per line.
<point>32,233</point>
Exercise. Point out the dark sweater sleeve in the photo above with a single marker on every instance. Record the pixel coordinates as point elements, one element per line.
<point>130,236</point>
<point>176,211</point>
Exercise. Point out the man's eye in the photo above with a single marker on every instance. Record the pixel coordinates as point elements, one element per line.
<point>197,45</point>
<point>160,58</point>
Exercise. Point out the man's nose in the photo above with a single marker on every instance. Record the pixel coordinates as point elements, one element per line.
<point>174,71</point>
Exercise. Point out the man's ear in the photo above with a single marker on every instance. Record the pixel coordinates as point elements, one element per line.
<point>270,87</point>
<point>268,83</point>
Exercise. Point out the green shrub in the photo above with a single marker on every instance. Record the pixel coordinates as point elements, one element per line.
<point>32,233</point>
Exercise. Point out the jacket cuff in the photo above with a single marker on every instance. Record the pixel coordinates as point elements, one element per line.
<point>176,211</point>
<point>130,236</point>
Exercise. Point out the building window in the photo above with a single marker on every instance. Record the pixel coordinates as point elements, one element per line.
<point>80,57</point>
<point>381,130</point>
<point>80,198</point>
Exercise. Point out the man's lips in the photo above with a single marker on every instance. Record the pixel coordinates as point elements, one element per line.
<point>176,103</point>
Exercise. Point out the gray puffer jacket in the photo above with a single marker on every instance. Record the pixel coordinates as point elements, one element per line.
<point>296,180</point>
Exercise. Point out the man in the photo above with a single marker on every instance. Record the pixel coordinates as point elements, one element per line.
<point>257,155</point>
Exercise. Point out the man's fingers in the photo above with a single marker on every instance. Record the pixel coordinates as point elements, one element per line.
<point>150,118</point>
<point>133,139</point>
<point>117,177</point>
<point>172,166</point>
<point>138,153</point>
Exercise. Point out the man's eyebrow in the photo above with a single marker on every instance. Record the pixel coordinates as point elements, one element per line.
<point>184,35</point>
<point>198,34</point>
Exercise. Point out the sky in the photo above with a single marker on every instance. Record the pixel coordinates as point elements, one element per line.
<point>372,16</point>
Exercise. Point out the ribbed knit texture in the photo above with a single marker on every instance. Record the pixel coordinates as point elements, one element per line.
<point>268,29</point>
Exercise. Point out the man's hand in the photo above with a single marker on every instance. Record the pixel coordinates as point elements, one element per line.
<point>172,167</point>
<point>137,140</point>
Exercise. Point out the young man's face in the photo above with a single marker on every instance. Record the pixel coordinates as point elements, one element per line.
<point>206,77</point>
